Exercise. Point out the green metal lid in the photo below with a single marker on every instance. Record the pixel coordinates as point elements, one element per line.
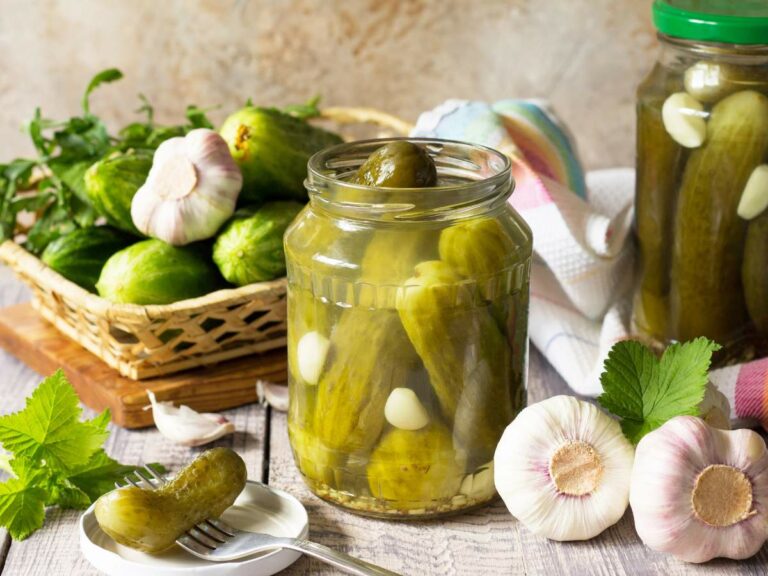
<point>727,21</point>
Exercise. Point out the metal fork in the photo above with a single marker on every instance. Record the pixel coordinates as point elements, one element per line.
<point>216,541</point>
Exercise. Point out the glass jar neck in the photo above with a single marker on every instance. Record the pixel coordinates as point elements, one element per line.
<point>746,54</point>
<point>472,180</point>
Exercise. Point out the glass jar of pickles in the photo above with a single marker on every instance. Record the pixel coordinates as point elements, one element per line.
<point>702,178</point>
<point>408,277</point>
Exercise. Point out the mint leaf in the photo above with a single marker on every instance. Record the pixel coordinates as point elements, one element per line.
<point>99,475</point>
<point>48,430</point>
<point>22,501</point>
<point>645,392</point>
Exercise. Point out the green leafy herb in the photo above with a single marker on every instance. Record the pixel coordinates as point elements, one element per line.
<point>645,392</point>
<point>56,459</point>
<point>52,184</point>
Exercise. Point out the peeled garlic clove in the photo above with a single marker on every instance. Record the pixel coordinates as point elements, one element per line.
<point>404,410</point>
<point>310,353</point>
<point>754,199</point>
<point>700,493</point>
<point>684,119</point>
<point>187,427</point>
<point>275,395</point>
<point>562,468</point>
<point>191,189</point>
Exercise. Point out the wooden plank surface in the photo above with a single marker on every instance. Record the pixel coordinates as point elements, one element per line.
<point>40,345</point>
<point>484,542</point>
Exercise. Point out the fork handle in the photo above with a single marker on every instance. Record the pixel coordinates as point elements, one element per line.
<point>338,559</point>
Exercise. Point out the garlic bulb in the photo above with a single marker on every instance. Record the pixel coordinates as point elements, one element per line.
<point>187,427</point>
<point>191,189</point>
<point>563,468</point>
<point>701,493</point>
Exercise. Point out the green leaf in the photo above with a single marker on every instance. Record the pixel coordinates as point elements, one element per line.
<point>304,111</point>
<point>645,392</point>
<point>99,475</point>
<point>197,117</point>
<point>105,76</point>
<point>48,430</point>
<point>22,501</point>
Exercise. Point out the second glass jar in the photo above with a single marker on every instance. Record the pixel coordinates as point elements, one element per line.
<point>407,331</point>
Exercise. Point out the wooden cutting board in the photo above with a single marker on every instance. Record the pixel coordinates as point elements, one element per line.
<point>27,336</point>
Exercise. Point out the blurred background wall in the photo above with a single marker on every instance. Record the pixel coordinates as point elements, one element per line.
<point>402,56</point>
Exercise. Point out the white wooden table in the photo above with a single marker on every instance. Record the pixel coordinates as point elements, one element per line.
<point>484,542</point>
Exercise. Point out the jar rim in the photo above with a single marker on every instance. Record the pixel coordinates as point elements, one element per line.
<point>487,171</point>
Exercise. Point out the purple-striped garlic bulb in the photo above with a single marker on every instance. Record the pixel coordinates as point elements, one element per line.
<point>700,493</point>
<point>563,468</point>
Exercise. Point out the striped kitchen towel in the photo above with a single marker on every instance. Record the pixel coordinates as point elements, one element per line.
<point>582,274</point>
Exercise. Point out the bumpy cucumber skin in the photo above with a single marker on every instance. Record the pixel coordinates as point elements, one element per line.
<point>413,468</point>
<point>755,272</point>
<point>151,520</point>
<point>706,297</point>
<point>153,272</point>
<point>659,165</point>
<point>272,149</point>
<point>250,247</point>
<point>111,184</point>
<point>80,255</point>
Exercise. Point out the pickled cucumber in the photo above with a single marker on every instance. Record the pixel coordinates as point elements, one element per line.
<point>706,297</point>
<point>399,164</point>
<point>660,160</point>
<point>709,82</point>
<point>151,520</point>
<point>414,468</point>
<point>465,354</point>
<point>476,248</point>
<point>755,272</point>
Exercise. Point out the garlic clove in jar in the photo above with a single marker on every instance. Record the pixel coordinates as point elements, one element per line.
<point>684,119</point>
<point>754,198</point>
<point>311,352</point>
<point>700,493</point>
<point>185,426</point>
<point>191,189</point>
<point>563,467</point>
<point>404,410</point>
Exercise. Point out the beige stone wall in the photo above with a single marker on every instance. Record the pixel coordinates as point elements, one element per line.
<point>586,56</point>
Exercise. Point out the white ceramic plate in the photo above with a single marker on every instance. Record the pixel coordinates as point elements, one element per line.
<point>257,509</point>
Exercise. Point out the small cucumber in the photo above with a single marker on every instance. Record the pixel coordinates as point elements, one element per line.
<point>754,272</point>
<point>151,520</point>
<point>706,296</point>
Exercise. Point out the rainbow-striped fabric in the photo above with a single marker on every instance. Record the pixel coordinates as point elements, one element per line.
<point>582,275</point>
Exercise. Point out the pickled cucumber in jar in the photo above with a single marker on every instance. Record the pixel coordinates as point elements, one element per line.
<point>702,133</point>
<point>412,355</point>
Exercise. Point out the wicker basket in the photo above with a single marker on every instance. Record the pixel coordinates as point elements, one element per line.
<point>147,341</point>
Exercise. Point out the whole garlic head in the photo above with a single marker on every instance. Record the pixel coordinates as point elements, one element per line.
<point>191,189</point>
<point>563,468</point>
<point>701,493</point>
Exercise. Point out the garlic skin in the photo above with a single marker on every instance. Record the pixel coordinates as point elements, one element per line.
<point>272,394</point>
<point>184,426</point>
<point>191,189</point>
<point>715,409</point>
<point>563,468</point>
<point>700,493</point>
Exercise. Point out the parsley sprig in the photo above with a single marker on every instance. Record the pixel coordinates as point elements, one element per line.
<point>55,458</point>
<point>645,391</point>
